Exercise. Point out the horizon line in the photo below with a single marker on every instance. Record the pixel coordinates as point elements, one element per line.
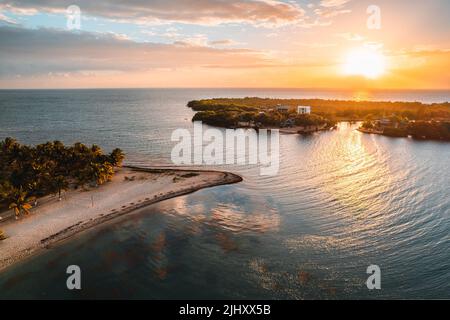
<point>232,88</point>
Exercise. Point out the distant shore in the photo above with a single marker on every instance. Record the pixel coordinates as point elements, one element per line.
<point>273,112</point>
<point>131,188</point>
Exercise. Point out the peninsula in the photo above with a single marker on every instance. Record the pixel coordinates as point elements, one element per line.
<point>34,218</point>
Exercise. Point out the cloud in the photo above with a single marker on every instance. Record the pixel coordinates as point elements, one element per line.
<point>316,45</point>
<point>172,33</point>
<point>351,36</point>
<point>330,13</point>
<point>331,8</point>
<point>44,51</point>
<point>23,11</point>
<point>149,33</point>
<point>198,40</point>
<point>314,21</point>
<point>204,12</point>
<point>223,42</point>
<point>6,19</point>
<point>333,3</point>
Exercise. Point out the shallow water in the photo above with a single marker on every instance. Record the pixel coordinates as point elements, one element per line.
<point>342,201</point>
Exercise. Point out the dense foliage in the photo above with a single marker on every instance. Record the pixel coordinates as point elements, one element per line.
<point>231,115</point>
<point>430,130</point>
<point>419,120</point>
<point>330,109</point>
<point>427,130</point>
<point>230,119</point>
<point>28,172</point>
<point>219,118</point>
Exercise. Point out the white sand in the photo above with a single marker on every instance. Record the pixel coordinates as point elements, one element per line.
<point>54,220</point>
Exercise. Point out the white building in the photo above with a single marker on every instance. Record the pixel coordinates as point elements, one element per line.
<point>303,110</point>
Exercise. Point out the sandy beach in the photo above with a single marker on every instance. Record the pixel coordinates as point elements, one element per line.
<point>131,188</point>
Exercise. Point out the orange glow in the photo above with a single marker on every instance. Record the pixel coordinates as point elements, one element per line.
<point>364,62</point>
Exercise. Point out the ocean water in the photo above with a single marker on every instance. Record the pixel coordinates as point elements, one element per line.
<point>342,201</point>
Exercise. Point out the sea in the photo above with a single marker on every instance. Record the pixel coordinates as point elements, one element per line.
<point>342,201</point>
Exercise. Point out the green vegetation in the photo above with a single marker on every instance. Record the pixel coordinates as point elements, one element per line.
<point>50,168</point>
<point>399,119</point>
<point>368,125</point>
<point>232,119</point>
<point>395,132</point>
<point>217,118</point>
<point>236,113</point>
<point>426,130</point>
<point>328,109</point>
<point>430,130</point>
<point>239,105</point>
<point>20,202</point>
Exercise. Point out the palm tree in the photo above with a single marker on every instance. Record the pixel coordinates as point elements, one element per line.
<point>6,190</point>
<point>96,150</point>
<point>58,184</point>
<point>21,203</point>
<point>8,144</point>
<point>50,168</point>
<point>116,157</point>
<point>102,172</point>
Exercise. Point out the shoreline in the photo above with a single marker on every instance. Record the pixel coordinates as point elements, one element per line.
<point>175,182</point>
<point>369,131</point>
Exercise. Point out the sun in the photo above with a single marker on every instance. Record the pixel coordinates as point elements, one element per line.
<point>366,62</point>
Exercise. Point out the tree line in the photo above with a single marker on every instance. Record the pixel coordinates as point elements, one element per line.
<point>27,172</point>
<point>422,130</point>
<point>330,109</point>
<point>231,119</point>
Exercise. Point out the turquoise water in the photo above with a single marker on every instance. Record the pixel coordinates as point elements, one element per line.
<point>341,202</point>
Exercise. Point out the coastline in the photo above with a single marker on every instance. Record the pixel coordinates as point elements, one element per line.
<point>370,131</point>
<point>55,221</point>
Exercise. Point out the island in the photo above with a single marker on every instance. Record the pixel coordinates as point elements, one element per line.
<point>50,192</point>
<point>395,119</point>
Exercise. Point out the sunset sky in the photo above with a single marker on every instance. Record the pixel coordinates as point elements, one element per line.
<point>225,43</point>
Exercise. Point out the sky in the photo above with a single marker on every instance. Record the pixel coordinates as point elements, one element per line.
<point>342,44</point>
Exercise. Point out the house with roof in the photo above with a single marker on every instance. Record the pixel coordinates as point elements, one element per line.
<point>283,108</point>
